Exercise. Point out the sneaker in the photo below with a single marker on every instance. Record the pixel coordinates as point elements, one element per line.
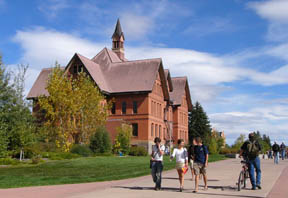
<point>259,187</point>
<point>253,188</point>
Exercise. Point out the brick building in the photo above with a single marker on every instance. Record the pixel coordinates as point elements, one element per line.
<point>145,94</point>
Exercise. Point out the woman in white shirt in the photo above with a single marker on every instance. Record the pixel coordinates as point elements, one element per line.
<point>181,155</point>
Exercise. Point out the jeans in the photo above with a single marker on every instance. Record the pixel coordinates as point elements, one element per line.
<point>283,154</point>
<point>276,157</point>
<point>252,165</point>
<point>156,172</point>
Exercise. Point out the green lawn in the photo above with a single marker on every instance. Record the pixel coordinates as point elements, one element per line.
<point>80,170</point>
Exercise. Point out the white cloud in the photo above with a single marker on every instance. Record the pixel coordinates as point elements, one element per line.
<point>270,120</point>
<point>43,47</point>
<point>274,10</point>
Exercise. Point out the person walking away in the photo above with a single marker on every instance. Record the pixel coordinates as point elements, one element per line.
<point>283,150</point>
<point>270,156</point>
<point>276,149</point>
<point>181,155</point>
<point>157,162</point>
<point>190,157</point>
<point>200,163</point>
<point>252,148</point>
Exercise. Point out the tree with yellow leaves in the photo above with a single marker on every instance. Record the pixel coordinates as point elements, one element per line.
<point>74,109</point>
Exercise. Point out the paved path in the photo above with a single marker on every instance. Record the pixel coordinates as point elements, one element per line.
<point>222,177</point>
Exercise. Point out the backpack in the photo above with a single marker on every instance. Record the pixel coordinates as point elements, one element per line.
<point>275,148</point>
<point>252,149</point>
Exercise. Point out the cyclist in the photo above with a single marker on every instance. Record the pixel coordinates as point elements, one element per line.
<point>251,149</point>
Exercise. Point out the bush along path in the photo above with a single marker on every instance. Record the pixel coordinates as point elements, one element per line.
<point>80,170</point>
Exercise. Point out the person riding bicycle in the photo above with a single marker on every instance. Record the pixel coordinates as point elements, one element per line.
<point>250,151</point>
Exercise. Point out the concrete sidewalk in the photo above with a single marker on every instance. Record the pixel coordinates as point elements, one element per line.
<point>222,178</point>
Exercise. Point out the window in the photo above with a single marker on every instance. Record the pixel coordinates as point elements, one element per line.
<point>159,130</point>
<point>152,130</point>
<point>123,107</point>
<point>135,107</point>
<point>113,110</point>
<point>75,69</point>
<point>135,129</point>
<point>156,130</point>
<point>79,68</point>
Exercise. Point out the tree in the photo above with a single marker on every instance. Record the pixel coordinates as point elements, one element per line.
<point>239,142</point>
<point>199,124</point>
<point>123,137</point>
<point>17,127</point>
<point>213,147</point>
<point>74,109</point>
<point>100,142</point>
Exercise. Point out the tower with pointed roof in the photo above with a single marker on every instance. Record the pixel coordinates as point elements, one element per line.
<point>118,41</point>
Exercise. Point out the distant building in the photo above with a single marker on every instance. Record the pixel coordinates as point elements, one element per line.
<point>216,133</point>
<point>146,96</point>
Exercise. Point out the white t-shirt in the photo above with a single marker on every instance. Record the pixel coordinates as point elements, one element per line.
<point>181,155</point>
<point>156,152</point>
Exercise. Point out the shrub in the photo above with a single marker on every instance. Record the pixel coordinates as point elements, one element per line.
<point>82,150</point>
<point>225,151</point>
<point>9,161</point>
<point>138,151</point>
<point>100,142</point>
<point>36,159</point>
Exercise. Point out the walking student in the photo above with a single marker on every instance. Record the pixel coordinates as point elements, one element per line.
<point>181,155</point>
<point>157,162</point>
<point>191,157</point>
<point>283,150</point>
<point>276,149</point>
<point>251,149</point>
<point>200,163</point>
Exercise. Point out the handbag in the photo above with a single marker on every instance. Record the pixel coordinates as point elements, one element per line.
<point>185,169</point>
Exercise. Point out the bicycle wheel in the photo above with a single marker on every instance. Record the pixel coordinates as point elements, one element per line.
<point>240,180</point>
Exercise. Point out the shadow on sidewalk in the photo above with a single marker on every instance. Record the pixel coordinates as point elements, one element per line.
<point>176,178</point>
<point>176,190</point>
<point>147,188</point>
<point>229,195</point>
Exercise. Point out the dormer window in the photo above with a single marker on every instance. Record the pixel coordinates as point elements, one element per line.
<point>77,69</point>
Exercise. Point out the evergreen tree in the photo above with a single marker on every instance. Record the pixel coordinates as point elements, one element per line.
<point>199,124</point>
<point>16,121</point>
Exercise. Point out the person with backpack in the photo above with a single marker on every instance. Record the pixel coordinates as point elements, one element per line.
<point>156,162</point>
<point>251,149</point>
<point>283,150</point>
<point>181,155</point>
<point>276,149</point>
<point>200,163</point>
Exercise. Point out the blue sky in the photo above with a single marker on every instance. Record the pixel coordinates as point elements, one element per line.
<point>234,52</point>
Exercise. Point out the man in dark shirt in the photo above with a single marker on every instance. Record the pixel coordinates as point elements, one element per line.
<point>276,149</point>
<point>191,156</point>
<point>250,151</point>
<point>200,162</point>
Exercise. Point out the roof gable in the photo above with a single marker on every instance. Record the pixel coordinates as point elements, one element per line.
<point>181,88</point>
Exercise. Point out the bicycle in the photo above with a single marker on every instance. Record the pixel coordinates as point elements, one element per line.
<point>244,175</point>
